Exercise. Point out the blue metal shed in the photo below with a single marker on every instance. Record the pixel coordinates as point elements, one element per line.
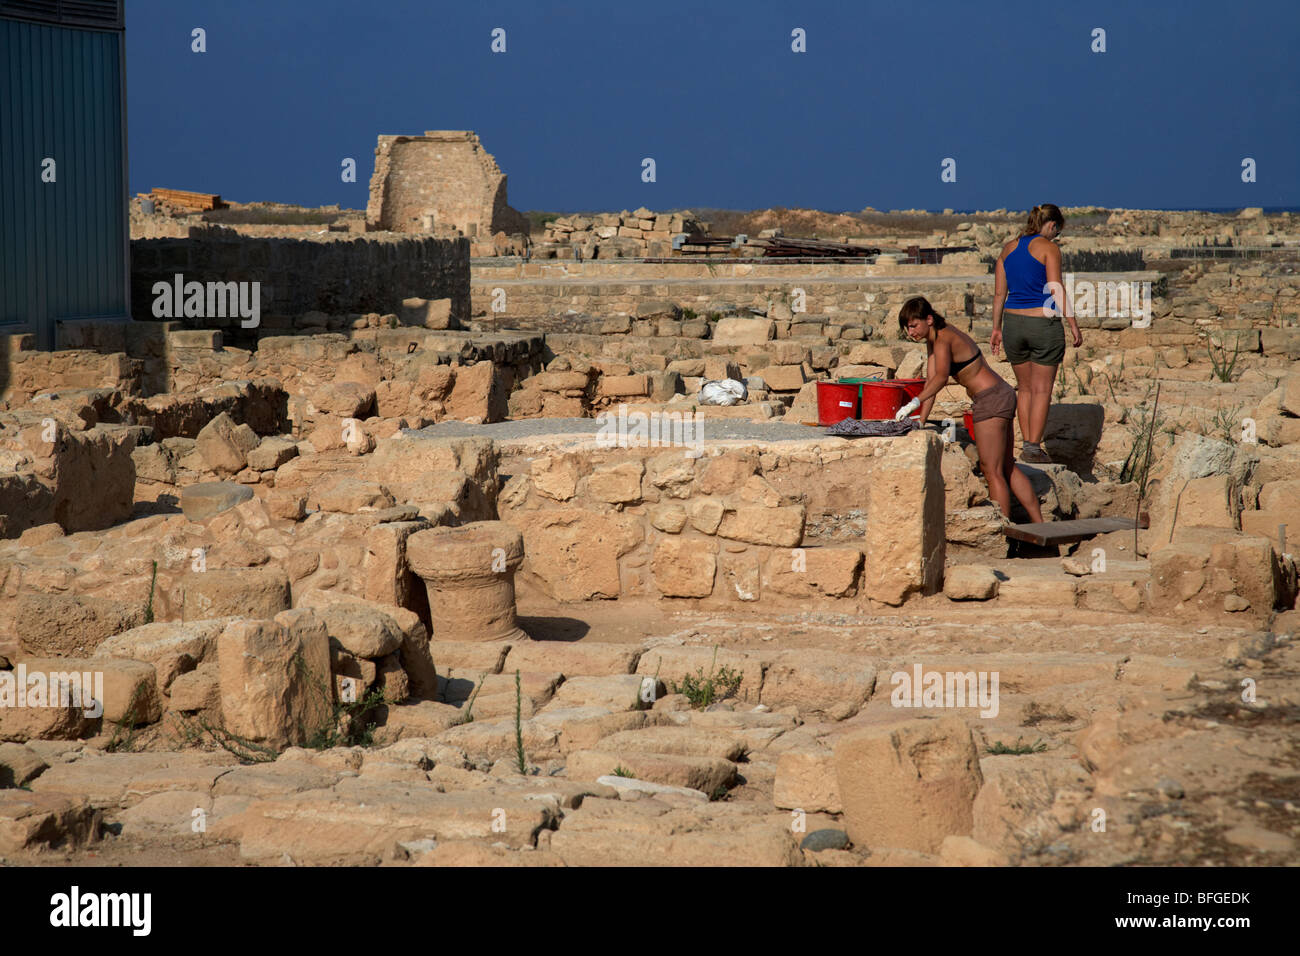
<point>64,235</point>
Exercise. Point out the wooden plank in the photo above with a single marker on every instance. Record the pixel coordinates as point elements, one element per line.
<point>190,200</point>
<point>1046,533</point>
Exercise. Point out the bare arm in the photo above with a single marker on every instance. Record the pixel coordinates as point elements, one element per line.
<point>939,365</point>
<point>1053,266</point>
<point>999,297</point>
<point>929,374</point>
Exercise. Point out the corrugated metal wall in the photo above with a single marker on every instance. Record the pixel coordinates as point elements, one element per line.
<point>63,244</point>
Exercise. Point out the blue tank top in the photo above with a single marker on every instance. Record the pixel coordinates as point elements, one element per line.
<point>1026,277</point>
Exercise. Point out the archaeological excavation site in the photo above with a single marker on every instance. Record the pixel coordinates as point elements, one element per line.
<point>451,559</point>
<point>434,533</point>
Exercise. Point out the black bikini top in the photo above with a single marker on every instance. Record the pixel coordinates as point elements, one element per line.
<point>956,367</point>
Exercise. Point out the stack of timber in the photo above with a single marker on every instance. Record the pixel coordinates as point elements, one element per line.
<point>189,200</point>
<point>788,247</point>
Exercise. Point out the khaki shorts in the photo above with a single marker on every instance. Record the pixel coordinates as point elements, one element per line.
<point>1033,338</point>
<point>996,402</point>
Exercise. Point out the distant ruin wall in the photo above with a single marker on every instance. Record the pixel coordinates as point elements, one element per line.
<point>299,276</point>
<point>440,181</point>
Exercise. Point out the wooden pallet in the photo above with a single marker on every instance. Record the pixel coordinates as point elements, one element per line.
<point>190,200</point>
<point>1047,533</point>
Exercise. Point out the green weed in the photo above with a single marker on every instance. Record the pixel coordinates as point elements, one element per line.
<point>1140,424</point>
<point>519,727</point>
<point>1018,750</point>
<point>1225,365</point>
<point>468,716</point>
<point>148,608</point>
<point>704,689</point>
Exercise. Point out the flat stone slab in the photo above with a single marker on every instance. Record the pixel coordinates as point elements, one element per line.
<point>714,429</point>
<point>649,787</point>
<point>209,498</point>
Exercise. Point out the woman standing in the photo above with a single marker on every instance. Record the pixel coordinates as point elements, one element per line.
<point>1028,324</point>
<point>993,401</point>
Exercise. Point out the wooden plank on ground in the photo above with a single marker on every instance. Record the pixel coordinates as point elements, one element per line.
<point>1047,533</point>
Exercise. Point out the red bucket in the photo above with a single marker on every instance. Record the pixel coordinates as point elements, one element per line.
<point>881,400</point>
<point>836,402</point>
<point>969,421</point>
<point>913,386</point>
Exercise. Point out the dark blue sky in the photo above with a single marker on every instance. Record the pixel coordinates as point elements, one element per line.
<point>711,90</point>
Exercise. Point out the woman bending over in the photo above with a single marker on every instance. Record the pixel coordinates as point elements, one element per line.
<point>952,352</point>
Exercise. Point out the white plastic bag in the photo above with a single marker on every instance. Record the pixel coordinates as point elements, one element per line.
<point>725,391</point>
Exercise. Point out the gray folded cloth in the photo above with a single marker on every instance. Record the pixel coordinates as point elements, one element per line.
<point>871,428</point>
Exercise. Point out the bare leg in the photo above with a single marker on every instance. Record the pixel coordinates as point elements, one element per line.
<point>1021,487</point>
<point>992,436</point>
<point>996,445</point>
<point>1042,378</point>
<point>1022,397</point>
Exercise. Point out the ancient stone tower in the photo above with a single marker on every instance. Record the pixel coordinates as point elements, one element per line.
<point>439,182</point>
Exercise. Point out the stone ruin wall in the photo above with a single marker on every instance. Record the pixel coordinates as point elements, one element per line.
<point>617,235</point>
<point>445,174</point>
<point>300,276</point>
<point>736,524</point>
<point>1259,299</point>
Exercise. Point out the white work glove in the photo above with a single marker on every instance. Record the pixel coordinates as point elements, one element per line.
<point>907,409</point>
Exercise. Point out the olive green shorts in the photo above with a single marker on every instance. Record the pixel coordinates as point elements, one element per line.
<point>1033,338</point>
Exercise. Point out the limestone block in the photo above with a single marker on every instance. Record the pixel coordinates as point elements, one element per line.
<point>1208,503</point>
<point>781,527</point>
<point>705,774</point>
<point>825,683</point>
<point>905,527</point>
<point>617,484</point>
<point>908,785</point>
<point>481,391</point>
<point>342,400</point>
<point>225,445</point>
<point>271,676</point>
<point>428,313</point>
<point>970,582</point>
<point>573,553</point>
<point>807,572</point>
<point>783,378</point>
<point>208,498</point>
<point>743,332</point>
<point>805,780</point>
<point>271,453</point>
<point>361,630</point>
<point>624,386</point>
<point>258,593</point>
<point>387,576</point>
<point>684,567</point>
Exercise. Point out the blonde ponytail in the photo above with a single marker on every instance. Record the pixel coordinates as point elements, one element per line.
<point>1040,216</point>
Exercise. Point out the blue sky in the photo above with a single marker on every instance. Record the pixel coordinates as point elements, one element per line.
<point>732,117</point>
